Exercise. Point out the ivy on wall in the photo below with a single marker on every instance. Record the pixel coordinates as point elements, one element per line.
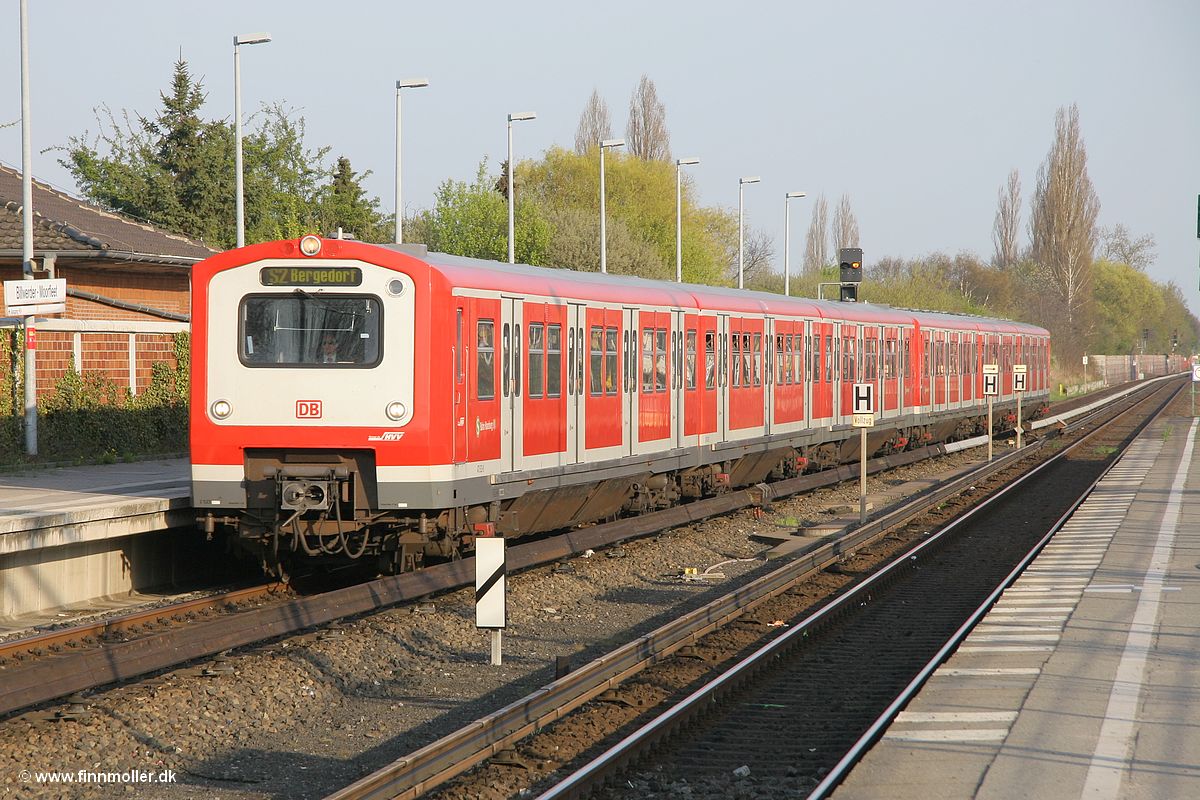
<point>89,417</point>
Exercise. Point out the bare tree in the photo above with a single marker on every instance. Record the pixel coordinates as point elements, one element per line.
<point>816,243</point>
<point>1008,221</point>
<point>1063,228</point>
<point>1119,245</point>
<point>647,128</point>
<point>845,226</point>
<point>594,124</point>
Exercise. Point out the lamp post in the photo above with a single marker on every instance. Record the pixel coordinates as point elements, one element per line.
<point>411,83</point>
<point>517,117</point>
<point>679,165</point>
<point>238,41</point>
<point>787,241</point>
<point>31,418</point>
<point>604,145</point>
<point>741,227</point>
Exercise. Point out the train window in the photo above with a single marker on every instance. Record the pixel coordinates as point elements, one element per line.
<point>596,364</point>
<point>780,365</point>
<point>647,360</point>
<point>747,358</point>
<point>570,361</point>
<point>306,330</point>
<point>953,349</point>
<point>458,346</point>
<point>505,367</point>
<point>870,357</point>
<point>710,360</point>
<point>610,360</point>
<point>889,359</point>
<point>660,362</point>
<point>553,360</point>
<point>536,353</point>
<point>690,361</point>
<point>485,359</point>
<point>516,360</point>
<point>737,359</point>
<point>580,357</point>
<point>847,358</point>
<point>757,359</point>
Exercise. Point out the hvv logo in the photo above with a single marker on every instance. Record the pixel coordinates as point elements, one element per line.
<point>308,409</point>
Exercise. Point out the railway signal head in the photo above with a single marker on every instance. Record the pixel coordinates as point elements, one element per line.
<point>850,261</point>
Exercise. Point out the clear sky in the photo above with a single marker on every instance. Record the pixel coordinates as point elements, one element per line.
<point>917,110</point>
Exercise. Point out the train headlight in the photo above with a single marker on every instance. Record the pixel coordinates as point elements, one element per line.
<point>396,410</point>
<point>221,409</point>
<point>310,245</point>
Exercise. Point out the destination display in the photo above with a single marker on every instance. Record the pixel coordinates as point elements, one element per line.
<point>310,276</point>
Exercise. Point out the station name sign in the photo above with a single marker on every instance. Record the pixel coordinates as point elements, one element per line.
<point>27,298</point>
<point>310,276</point>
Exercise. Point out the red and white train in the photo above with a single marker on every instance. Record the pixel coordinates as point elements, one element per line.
<point>364,401</point>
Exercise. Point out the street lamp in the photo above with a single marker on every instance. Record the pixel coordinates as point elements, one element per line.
<point>741,227</point>
<point>411,83</point>
<point>787,222</point>
<point>518,117</point>
<point>238,41</point>
<point>679,165</point>
<point>604,145</point>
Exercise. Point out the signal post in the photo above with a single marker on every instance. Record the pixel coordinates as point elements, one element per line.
<point>991,388</point>
<point>1019,373</point>
<point>863,418</point>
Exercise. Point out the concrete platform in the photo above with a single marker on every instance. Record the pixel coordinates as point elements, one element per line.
<point>74,534</point>
<point>1082,682</point>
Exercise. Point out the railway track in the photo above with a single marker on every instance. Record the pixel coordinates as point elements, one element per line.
<point>771,604</point>
<point>72,660</point>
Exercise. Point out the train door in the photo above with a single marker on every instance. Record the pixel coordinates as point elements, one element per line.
<point>906,362</point>
<point>629,380</point>
<point>459,419</point>
<point>968,368</point>
<point>847,371</point>
<point>604,426</point>
<point>576,408</point>
<point>543,408</point>
<point>483,394</point>
<point>511,429</point>
<point>821,354</point>
<point>708,380</point>
<point>768,377</point>
<point>891,373</point>
<point>677,376</point>
<point>653,423</point>
<point>723,370</point>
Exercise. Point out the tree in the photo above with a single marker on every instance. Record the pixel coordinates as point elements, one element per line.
<point>647,128</point>
<point>1063,229</point>
<point>816,242</point>
<point>344,204</point>
<point>1008,221</point>
<point>471,219</point>
<point>845,226</point>
<point>176,171</point>
<point>595,124</point>
<point>1120,246</point>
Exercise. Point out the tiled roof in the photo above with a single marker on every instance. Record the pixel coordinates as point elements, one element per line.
<point>63,223</point>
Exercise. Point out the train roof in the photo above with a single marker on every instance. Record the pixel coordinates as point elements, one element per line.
<point>481,273</point>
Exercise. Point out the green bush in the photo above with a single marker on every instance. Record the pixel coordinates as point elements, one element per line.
<point>89,418</point>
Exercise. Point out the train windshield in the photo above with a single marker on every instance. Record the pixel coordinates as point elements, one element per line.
<point>310,330</point>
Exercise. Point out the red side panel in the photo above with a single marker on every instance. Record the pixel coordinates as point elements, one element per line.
<point>654,399</point>
<point>545,399</point>
<point>602,384</point>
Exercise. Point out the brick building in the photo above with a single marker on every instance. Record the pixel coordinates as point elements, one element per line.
<point>128,284</point>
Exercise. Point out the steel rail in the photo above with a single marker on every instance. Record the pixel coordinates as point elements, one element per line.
<point>43,679</point>
<point>877,728</point>
<point>454,754</point>
<point>53,641</point>
<point>619,754</point>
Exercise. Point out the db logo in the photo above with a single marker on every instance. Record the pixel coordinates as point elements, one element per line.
<point>308,409</point>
